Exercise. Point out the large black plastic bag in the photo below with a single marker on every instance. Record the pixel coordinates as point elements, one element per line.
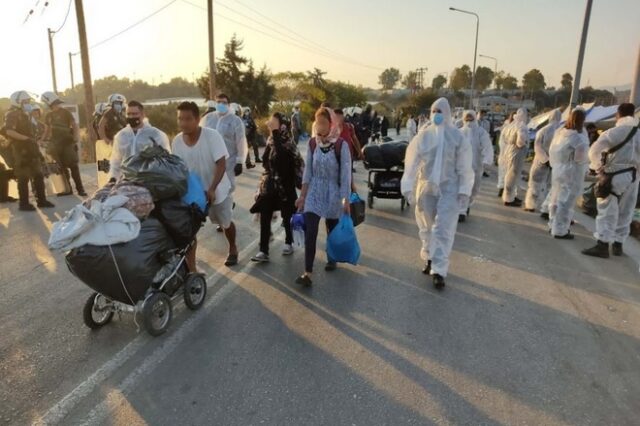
<point>373,157</point>
<point>165,175</point>
<point>138,261</point>
<point>385,155</point>
<point>181,221</point>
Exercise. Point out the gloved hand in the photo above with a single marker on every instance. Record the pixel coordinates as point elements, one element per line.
<point>238,169</point>
<point>463,199</point>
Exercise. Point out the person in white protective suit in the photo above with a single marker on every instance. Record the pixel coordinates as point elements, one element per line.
<point>617,154</point>
<point>482,151</point>
<point>412,127</point>
<point>231,127</point>
<point>438,177</point>
<point>134,138</point>
<point>517,140</point>
<point>569,158</point>
<point>502,146</point>
<point>540,173</point>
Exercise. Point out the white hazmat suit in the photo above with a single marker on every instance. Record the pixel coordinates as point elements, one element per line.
<point>128,142</point>
<point>502,146</point>
<point>482,151</point>
<point>569,158</point>
<point>232,129</point>
<point>438,175</point>
<point>615,212</point>
<point>516,137</point>
<point>540,173</point>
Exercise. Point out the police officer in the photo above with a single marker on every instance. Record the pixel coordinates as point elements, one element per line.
<point>251,131</point>
<point>26,154</point>
<point>63,135</point>
<point>98,112</point>
<point>114,119</point>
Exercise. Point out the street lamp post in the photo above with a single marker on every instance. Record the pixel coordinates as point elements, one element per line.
<point>475,52</point>
<point>495,66</point>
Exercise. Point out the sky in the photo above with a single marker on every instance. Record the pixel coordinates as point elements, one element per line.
<point>353,40</point>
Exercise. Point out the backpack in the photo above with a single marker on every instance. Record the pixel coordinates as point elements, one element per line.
<point>337,148</point>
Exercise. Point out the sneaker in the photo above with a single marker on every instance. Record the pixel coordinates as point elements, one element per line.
<point>45,204</point>
<point>514,203</point>
<point>304,280</point>
<point>260,257</point>
<point>616,249</point>
<point>330,266</point>
<point>287,250</point>
<point>27,208</point>
<point>462,218</point>
<point>82,193</point>
<point>567,236</point>
<point>258,160</point>
<point>232,260</point>
<point>601,249</point>
<point>438,281</point>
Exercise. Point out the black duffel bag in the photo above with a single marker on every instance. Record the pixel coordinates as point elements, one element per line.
<point>138,261</point>
<point>181,221</point>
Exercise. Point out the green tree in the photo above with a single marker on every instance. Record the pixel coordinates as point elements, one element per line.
<point>389,78</point>
<point>460,78</point>
<point>410,81</point>
<point>438,82</point>
<point>566,82</point>
<point>484,77</point>
<point>533,81</point>
<point>317,78</point>
<point>504,81</point>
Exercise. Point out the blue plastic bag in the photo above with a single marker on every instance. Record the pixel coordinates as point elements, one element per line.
<point>298,229</point>
<point>195,193</point>
<point>342,243</point>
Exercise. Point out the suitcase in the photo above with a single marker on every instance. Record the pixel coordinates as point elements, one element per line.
<point>103,155</point>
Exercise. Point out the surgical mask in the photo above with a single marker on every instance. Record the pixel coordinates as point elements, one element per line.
<point>133,121</point>
<point>438,118</point>
<point>27,108</point>
<point>222,108</point>
<point>117,108</point>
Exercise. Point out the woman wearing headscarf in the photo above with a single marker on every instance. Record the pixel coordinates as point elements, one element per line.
<point>569,157</point>
<point>482,151</point>
<point>326,186</point>
<point>438,177</point>
<point>277,189</point>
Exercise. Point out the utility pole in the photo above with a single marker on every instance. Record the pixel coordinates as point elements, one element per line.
<point>71,70</point>
<point>575,92</point>
<point>53,63</point>
<point>420,73</point>
<point>635,87</point>
<point>212,65</point>
<point>86,76</point>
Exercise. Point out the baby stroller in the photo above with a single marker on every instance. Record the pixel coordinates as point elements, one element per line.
<point>144,276</point>
<point>385,163</point>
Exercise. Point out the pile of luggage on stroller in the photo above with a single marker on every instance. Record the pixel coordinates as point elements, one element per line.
<point>385,163</point>
<point>128,242</point>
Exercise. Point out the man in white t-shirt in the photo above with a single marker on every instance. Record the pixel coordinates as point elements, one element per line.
<point>205,154</point>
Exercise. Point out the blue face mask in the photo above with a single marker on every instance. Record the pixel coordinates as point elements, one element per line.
<point>222,108</point>
<point>27,108</point>
<point>117,107</point>
<point>438,118</point>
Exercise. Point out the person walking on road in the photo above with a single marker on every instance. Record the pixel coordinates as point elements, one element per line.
<point>569,158</point>
<point>205,153</point>
<point>296,125</point>
<point>63,135</point>
<point>502,147</point>
<point>482,152</point>
<point>540,173</point>
<point>134,138</point>
<point>277,189</point>
<point>326,186</point>
<point>616,157</point>
<point>438,178</point>
<point>517,143</point>
<point>412,127</point>
<point>348,134</point>
<point>251,131</point>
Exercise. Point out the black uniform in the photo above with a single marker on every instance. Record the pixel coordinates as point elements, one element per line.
<point>62,145</point>
<point>251,131</point>
<point>26,157</point>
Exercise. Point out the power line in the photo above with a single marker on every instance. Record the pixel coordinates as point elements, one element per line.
<point>135,24</point>
<point>291,43</point>
<point>65,17</point>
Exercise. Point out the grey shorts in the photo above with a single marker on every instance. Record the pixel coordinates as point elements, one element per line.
<point>220,214</point>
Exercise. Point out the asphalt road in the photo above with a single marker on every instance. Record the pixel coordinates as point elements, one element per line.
<point>527,331</point>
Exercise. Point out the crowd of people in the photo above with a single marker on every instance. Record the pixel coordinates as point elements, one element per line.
<point>444,165</point>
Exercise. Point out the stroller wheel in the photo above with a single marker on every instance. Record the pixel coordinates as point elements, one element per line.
<point>195,291</point>
<point>97,311</point>
<point>156,313</point>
